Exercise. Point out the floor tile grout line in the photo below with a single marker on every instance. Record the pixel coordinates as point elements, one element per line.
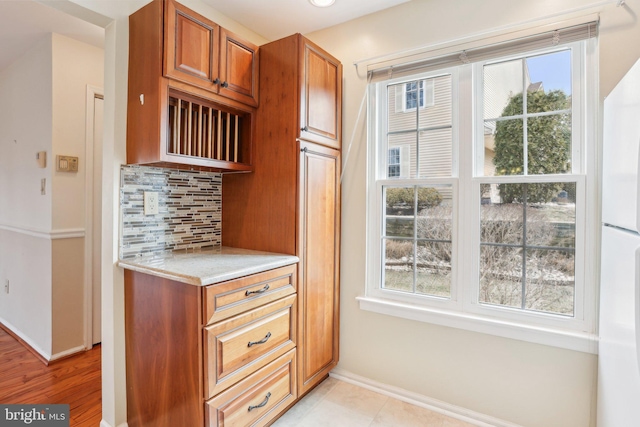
<point>309,410</point>
<point>380,410</point>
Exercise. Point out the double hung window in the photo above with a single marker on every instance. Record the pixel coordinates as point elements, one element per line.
<point>489,220</point>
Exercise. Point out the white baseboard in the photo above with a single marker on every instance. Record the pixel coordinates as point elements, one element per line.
<point>68,352</point>
<point>435,405</point>
<point>103,423</point>
<point>46,355</point>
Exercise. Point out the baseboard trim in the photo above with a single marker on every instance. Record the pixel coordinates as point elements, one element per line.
<point>67,353</point>
<point>43,356</point>
<point>422,401</point>
<point>103,423</point>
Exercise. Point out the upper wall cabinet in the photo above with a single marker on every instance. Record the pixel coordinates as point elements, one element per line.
<point>199,52</point>
<point>320,100</point>
<point>177,113</point>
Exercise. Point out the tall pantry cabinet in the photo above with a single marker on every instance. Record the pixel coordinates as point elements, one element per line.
<point>291,202</point>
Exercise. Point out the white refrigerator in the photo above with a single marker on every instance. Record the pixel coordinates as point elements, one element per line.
<point>619,324</point>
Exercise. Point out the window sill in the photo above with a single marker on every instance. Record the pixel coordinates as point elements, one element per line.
<point>570,340</point>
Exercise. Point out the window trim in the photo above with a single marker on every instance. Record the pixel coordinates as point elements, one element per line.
<point>461,311</point>
<point>561,338</point>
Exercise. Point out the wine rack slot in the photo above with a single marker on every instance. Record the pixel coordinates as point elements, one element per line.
<point>201,129</point>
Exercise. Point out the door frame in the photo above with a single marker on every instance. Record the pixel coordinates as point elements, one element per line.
<point>93,92</point>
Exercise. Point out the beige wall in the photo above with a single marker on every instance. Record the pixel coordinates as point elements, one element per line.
<point>527,384</point>
<point>67,296</point>
<point>75,65</point>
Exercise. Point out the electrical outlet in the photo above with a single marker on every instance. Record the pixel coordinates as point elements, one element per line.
<point>150,203</point>
<point>6,287</point>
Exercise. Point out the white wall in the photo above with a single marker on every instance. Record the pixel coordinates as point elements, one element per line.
<point>25,261</point>
<point>527,384</point>
<point>25,129</point>
<point>42,107</point>
<point>25,214</point>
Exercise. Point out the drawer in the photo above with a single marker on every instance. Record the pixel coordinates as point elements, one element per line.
<point>237,347</point>
<point>258,399</point>
<point>227,299</point>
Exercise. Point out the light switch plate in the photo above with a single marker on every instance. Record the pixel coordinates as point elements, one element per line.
<point>150,203</point>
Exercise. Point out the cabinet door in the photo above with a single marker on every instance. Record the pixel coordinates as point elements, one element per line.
<point>319,251</point>
<point>238,68</point>
<point>191,44</point>
<point>321,97</point>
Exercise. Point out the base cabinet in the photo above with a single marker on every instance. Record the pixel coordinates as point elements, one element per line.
<point>184,369</point>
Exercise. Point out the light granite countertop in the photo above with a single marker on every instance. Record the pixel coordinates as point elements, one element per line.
<point>207,266</point>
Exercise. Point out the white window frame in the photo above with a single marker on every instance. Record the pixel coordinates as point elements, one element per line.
<point>463,309</point>
<point>378,180</point>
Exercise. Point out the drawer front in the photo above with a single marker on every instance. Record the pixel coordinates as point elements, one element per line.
<point>226,299</point>
<point>239,346</point>
<point>258,399</point>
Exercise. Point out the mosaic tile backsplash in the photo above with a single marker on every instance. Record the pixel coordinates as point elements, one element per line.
<point>189,210</point>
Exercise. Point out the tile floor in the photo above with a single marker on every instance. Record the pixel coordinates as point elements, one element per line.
<point>336,403</point>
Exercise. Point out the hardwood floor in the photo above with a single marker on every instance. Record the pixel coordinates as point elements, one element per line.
<point>75,381</point>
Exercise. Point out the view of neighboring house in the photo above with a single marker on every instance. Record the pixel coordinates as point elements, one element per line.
<point>427,105</point>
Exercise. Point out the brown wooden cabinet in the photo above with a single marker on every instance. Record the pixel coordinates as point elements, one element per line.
<point>319,246</point>
<point>199,52</point>
<point>239,68</point>
<point>321,96</point>
<point>201,356</point>
<point>192,91</point>
<point>291,203</point>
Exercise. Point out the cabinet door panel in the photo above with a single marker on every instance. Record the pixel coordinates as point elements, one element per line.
<point>238,68</point>
<point>321,97</point>
<point>319,285</point>
<point>191,41</point>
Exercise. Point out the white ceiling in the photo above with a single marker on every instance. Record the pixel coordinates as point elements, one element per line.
<point>24,22</point>
<point>274,19</point>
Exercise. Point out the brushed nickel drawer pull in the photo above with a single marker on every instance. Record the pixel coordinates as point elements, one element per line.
<point>262,341</point>
<point>266,288</point>
<point>264,402</point>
